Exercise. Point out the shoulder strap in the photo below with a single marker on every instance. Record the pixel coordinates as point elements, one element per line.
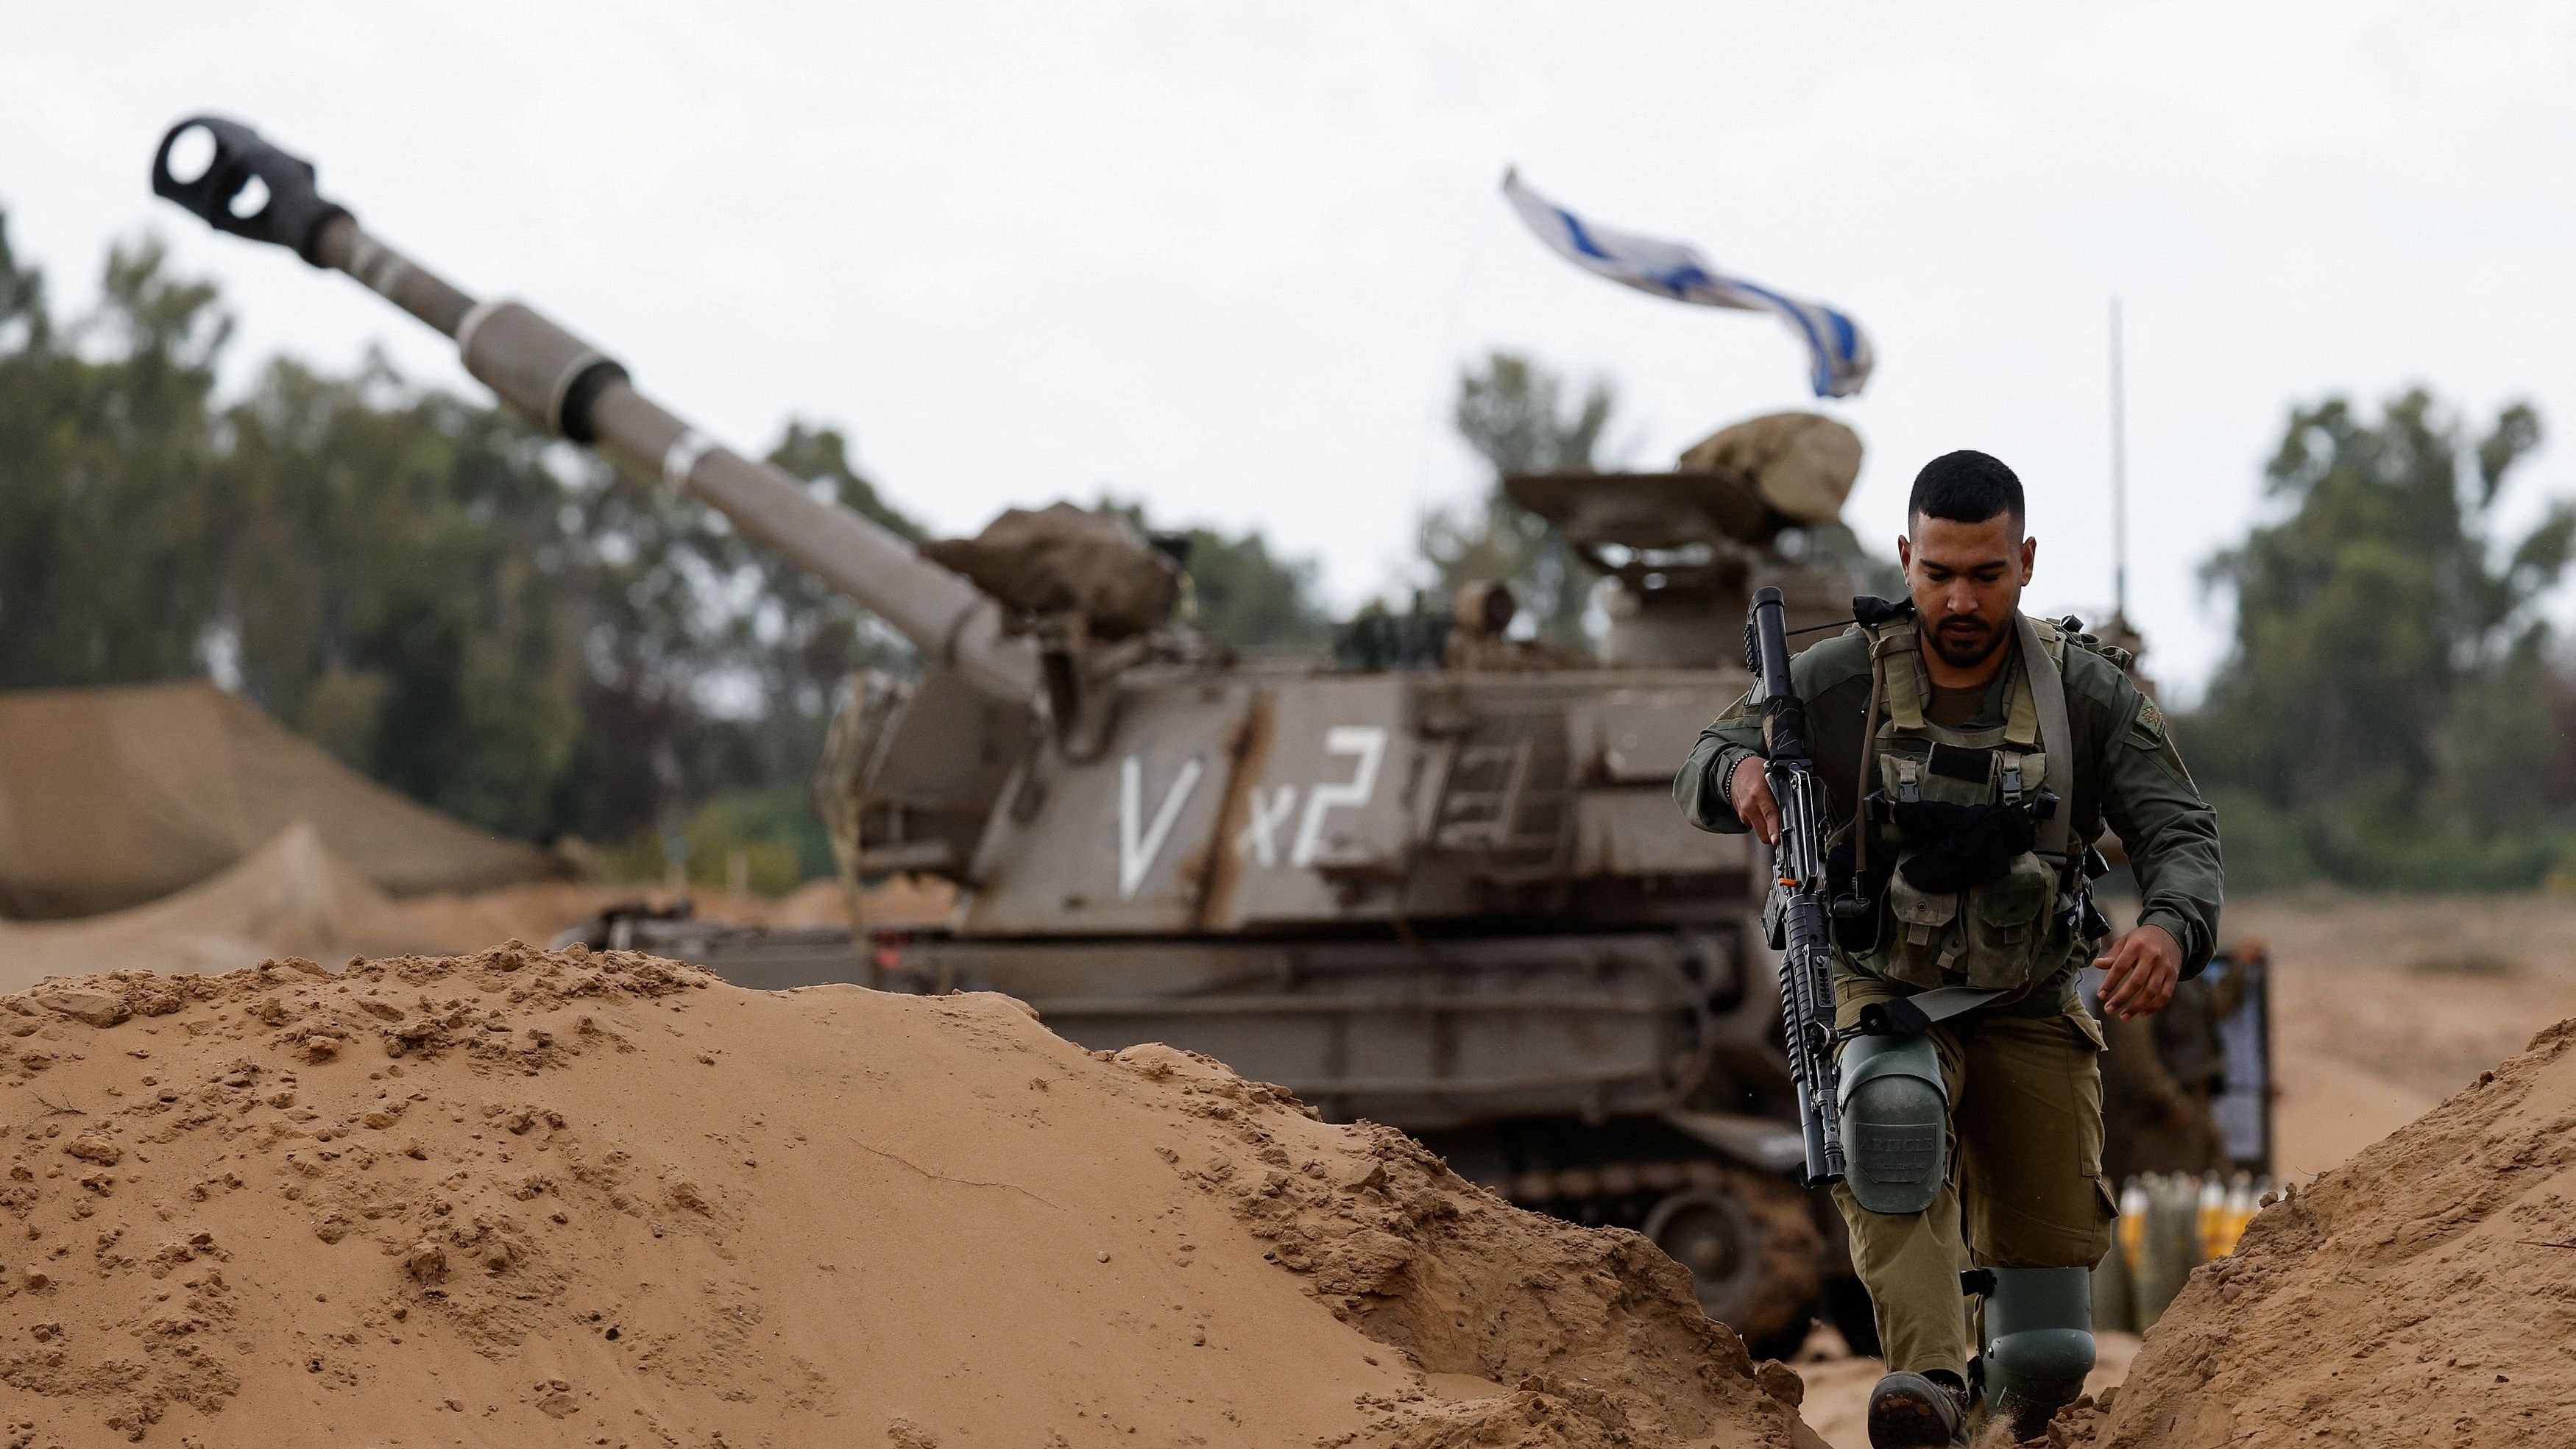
<point>1867,780</point>
<point>1894,653</point>
<point>2021,708</point>
<point>2056,736</point>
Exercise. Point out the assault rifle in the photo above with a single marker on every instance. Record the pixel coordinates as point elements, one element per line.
<point>1795,913</point>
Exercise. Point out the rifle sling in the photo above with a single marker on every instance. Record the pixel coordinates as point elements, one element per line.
<point>1919,1013</point>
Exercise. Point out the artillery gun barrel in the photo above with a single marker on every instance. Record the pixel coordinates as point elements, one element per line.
<point>251,188</point>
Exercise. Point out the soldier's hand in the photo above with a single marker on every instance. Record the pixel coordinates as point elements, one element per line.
<point>1751,796</point>
<point>2139,972</point>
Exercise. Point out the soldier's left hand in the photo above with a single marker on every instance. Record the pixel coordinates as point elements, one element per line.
<point>2139,972</point>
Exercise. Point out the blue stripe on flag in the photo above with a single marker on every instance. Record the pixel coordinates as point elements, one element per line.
<point>1837,350</point>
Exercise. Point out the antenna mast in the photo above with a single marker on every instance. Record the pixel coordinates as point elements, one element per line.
<point>2119,478</point>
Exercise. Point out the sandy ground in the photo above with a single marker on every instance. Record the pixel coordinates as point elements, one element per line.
<point>1838,1383</point>
<point>292,897</point>
<point>577,1198</point>
<point>2388,1006</point>
<point>2384,1007</point>
<point>2422,1293</point>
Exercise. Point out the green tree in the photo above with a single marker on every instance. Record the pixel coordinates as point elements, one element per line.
<point>713,663</point>
<point>106,526</point>
<point>2388,706</point>
<point>1253,598</point>
<point>1521,418</point>
<point>400,585</point>
<point>489,620</point>
<point>378,568</point>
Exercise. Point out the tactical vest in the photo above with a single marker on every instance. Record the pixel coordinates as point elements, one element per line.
<point>2010,930</point>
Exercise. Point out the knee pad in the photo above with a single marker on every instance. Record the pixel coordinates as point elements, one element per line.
<point>2038,1343</point>
<point>1896,1122</point>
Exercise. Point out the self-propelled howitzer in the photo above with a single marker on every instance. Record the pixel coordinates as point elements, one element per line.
<point>1436,880</point>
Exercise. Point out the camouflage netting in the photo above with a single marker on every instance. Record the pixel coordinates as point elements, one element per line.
<point>1745,483</point>
<point>1801,464</point>
<point>1063,559</point>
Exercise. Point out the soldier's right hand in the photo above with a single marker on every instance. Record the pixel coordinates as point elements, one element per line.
<point>1751,796</point>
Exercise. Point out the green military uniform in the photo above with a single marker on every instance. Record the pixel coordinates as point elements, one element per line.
<point>2023,1087</point>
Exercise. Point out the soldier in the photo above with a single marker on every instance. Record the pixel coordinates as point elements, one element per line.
<point>1972,1107</point>
<point>2162,1078</point>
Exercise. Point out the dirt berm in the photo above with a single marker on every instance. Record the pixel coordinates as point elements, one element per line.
<point>2423,1293</point>
<point>532,1199</point>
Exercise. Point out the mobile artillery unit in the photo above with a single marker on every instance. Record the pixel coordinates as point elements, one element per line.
<point>1436,880</point>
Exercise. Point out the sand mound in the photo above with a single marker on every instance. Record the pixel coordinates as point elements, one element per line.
<point>293,897</point>
<point>113,797</point>
<point>289,897</point>
<point>2423,1293</point>
<point>567,1198</point>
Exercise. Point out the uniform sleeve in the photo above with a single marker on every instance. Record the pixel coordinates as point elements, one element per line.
<point>2171,834</point>
<point>1833,678</point>
<point>1733,735</point>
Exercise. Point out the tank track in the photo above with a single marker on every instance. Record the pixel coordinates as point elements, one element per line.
<point>1548,1191</point>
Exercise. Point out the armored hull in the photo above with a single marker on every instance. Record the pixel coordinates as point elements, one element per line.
<point>1460,902</point>
<point>1439,883</point>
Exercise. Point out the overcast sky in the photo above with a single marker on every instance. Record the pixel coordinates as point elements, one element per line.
<point>1230,257</point>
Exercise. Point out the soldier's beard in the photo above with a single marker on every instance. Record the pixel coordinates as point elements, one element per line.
<point>1964,643</point>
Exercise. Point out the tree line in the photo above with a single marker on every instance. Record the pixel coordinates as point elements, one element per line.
<point>2398,710</point>
<point>503,626</point>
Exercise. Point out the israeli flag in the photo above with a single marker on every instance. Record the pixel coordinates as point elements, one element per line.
<point>1837,348</point>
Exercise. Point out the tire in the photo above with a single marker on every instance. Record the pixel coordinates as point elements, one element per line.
<point>1751,1246</point>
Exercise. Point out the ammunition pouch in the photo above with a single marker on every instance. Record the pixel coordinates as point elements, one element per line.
<point>1920,950</point>
<point>1984,893</point>
<point>1957,847</point>
<point>1896,1122</point>
<point>2037,1345</point>
<point>1970,897</point>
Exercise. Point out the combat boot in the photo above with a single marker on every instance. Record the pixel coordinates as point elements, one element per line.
<point>1918,1411</point>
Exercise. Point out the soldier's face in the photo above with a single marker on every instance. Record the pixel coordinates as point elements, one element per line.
<point>1967,580</point>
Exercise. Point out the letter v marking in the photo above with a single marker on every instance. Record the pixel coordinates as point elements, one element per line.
<point>1136,855</point>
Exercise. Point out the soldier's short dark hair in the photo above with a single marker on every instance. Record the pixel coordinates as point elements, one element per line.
<point>1965,487</point>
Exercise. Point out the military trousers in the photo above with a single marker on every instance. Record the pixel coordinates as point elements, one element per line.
<point>2023,1186</point>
